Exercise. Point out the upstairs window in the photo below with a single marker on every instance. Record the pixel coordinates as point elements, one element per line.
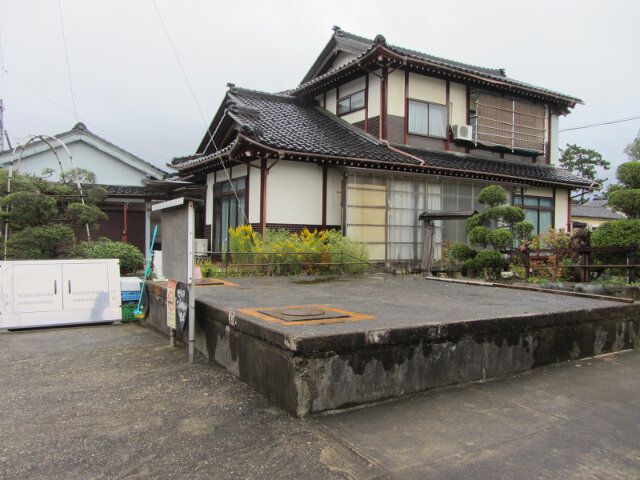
<point>351,103</point>
<point>427,119</point>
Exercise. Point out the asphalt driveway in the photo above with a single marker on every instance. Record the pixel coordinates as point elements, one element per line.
<point>115,401</point>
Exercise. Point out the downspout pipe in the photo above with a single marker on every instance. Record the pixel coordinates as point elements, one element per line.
<point>386,142</point>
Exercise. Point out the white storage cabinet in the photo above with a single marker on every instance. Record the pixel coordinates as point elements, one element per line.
<point>38,293</point>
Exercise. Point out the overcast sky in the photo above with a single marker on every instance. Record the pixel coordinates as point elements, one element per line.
<point>128,86</point>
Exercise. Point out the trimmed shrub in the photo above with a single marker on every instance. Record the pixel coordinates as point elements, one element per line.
<point>512,215</point>
<point>522,230</point>
<point>629,174</point>
<point>461,252</point>
<point>471,223</point>
<point>500,239</point>
<point>79,214</point>
<point>493,195</point>
<point>617,233</point>
<point>478,236</point>
<point>490,260</point>
<point>131,258</point>
<point>468,266</point>
<point>29,209</point>
<point>41,243</point>
<point>626,201</point>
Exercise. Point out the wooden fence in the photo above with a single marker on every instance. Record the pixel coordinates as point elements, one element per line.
<point>582,259</point>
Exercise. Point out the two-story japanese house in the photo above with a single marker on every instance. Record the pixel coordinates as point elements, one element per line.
<point>375,135</point>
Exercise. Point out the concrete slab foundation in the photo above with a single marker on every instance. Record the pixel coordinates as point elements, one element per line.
<point>395,334</point>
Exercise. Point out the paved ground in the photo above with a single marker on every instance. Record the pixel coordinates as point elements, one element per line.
<point>115,402</point>
<point>406,302</point>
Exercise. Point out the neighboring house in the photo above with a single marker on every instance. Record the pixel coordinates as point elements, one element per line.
<point>122,174</point>
<point>374,136</point>
<point>593,213</point>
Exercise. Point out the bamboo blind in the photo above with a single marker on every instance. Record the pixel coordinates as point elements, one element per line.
<point>510,123</point>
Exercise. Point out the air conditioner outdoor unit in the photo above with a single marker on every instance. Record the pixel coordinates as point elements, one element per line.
<point>462,132</point>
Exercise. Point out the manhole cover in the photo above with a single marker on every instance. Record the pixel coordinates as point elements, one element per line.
<point>303,312</point>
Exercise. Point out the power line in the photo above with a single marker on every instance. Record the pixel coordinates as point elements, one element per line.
<point>600,124</point>
<point>195,99</point>
<point>66,54</point>
<point>91,124</point>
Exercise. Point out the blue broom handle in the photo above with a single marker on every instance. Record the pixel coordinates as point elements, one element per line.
<point>147,271</point>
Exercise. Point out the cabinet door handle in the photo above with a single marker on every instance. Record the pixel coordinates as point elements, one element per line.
<point>55,287</point>
<point>69,286</point>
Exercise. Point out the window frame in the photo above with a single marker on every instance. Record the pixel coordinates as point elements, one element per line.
<point>446,125</point>
<point>538,208</point>
<point>349,97</point>
<point>230,193</point>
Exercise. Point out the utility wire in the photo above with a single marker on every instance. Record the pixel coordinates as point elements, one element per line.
<point>600,124</point>
<point>91,124</point>
<point>195,99</point>
<point>66,54</point>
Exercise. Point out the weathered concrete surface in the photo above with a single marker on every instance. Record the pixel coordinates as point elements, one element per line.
<point>103,402</point>
<point>425,334</point>
<point>115,401</point>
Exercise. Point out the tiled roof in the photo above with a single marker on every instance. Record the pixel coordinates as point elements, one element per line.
<point>516,169</point>
<point>492,74</point>
<point>366,43</point>
<point>289,124</point>
<point>595,209</point>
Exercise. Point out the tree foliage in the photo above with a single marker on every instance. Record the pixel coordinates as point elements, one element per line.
<point>628,174</point>
<point>41,214</point>
<point>493,195</point>
<point>625,197</point>
<point>584,162</point>
<point>497,227</point>
<point>633,149</point>
<point>626,201</point>
<point>131,259</point>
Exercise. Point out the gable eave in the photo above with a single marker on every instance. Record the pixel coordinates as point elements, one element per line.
<point>89,138</point>
<point>383,55</point>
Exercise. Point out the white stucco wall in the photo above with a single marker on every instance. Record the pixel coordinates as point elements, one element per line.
<point>352,87</point>
<point>294,193</point>
<point>427,89</point>
<point>562,210</point>
<point>239,171</point>
<point>107,169</point>
<point>374,96</point>
<point>254,195</point>
<point>395,93</point>
<point>457,103</point>
<point>331,100</point>
<point>343,58</point>
<point>539,191</point>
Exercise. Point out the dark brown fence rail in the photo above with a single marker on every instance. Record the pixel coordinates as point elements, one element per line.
<point>582,258</point>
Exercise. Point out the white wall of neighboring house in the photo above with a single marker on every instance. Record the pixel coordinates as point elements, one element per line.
<point>110,165</point>
<point>107,169</point>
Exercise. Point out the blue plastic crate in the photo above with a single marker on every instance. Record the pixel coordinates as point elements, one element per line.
<point>131,296</point>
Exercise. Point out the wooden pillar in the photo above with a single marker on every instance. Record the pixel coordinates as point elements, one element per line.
<point>263,195</point>
<point>324,198</point>
<point>383,104</point>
